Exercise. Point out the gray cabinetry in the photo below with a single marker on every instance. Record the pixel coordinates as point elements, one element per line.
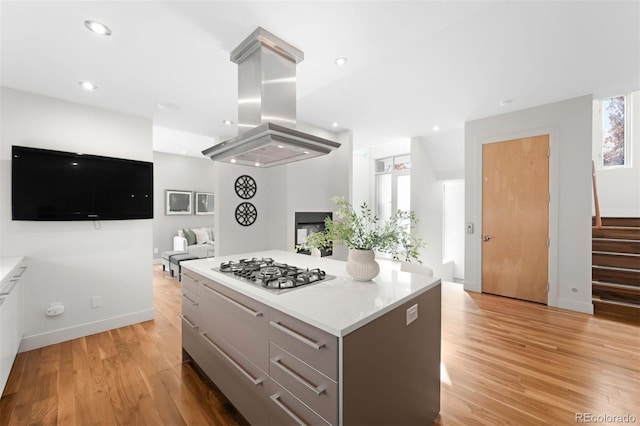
<point>219,330</point>
<point>272,367</point>
<point>236,319</point>
<point>279,370</point>
<point>303,361</point>
<point>287,410</point>
<point>318,348</point>
<point>11,320</point>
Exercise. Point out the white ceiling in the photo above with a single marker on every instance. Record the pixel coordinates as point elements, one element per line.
<point>412,65</point>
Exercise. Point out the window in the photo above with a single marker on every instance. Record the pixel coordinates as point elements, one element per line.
<point>393,185</point>
<point>613,113</point>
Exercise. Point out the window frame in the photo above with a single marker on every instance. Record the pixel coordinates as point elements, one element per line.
<point>395,173</point>
<point>599,132</point>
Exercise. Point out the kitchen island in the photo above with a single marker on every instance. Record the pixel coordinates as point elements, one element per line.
<point>333,352</point>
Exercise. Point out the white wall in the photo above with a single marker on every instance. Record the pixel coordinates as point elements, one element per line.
<point>312,183</point>
<point>427,202</point>
<point>282,190</point>
<point>454,226</point>
<point>619,187</point>
<point>69,262</point>
<point>179,172</point>
<point>363,182</point>
<point>232,237</point>
<point>569,125</point>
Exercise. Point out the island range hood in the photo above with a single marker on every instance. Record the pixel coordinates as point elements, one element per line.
<point>267,107</point>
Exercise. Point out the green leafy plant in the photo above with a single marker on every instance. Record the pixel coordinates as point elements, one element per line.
<point>362,231</point>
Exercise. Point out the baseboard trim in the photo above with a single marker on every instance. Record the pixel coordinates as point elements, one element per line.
<point>572,305</point>
<point>157,261</point>
<point>62,335</point>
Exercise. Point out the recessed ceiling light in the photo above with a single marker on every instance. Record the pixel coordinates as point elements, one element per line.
<point>97,27</point>
<point>436,128</point>
<point>257,164</point>
<point>335,124</point>
<point>233,160</point>
<point>227,122</point>
<point>505,102</point>
<point>87,85</point>
<point>280,146</point>
<point>168,106</point>
<point>341,61</point>
<point>305,152</point>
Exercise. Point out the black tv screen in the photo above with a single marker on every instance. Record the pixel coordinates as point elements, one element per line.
<point>54,185</point>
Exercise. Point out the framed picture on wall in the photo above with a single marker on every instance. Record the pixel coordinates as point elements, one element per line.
<point>204,203</point>
<point>178,202</point>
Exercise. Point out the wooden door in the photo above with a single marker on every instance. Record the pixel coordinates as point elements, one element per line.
<point>515,218</point>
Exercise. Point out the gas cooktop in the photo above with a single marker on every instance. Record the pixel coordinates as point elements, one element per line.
<point>272,275</point>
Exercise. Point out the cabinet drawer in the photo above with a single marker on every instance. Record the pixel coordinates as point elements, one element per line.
<point>242,382</point>
<point>190,305</point>
<point>317,348</point>
<point>285,409</point>
<point>191,341</point>
<point>190,311</point>
<point>190,281</point>
<point>310,386</point>
<point>237,319</point>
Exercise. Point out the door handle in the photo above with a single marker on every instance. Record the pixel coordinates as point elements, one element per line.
<point>486,238</point>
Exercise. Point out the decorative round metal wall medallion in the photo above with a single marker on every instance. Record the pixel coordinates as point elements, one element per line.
<point>246,214</point>
<point>246,187</point>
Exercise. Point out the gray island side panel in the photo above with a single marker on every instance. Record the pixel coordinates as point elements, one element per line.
<point>391,370</point>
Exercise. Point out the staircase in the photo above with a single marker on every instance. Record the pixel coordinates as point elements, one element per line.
<point>616,269</point>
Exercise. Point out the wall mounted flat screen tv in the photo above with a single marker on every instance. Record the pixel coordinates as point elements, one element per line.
<point>53,185</point>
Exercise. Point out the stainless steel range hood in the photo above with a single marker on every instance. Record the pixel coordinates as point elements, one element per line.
<point>267,107</point>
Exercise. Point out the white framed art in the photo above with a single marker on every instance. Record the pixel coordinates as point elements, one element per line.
<point>178,202</point>
<point>204,203</point>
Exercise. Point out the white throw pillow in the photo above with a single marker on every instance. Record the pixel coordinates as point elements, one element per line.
<point>211,236</point>
<point>202,236</point>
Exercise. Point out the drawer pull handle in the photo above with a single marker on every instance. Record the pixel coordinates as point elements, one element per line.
<point>298,337</point>
<point>232,361</point>
<point>318,390</point>
<point>234,303</point>
<point>19,274</point>
<point>276,398</point>
<point>193,302</point>
<point>190,277</point>
<point>13,285</point>
<point>189,322</point>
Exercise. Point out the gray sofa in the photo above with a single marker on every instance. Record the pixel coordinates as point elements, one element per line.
<point>199,242</point>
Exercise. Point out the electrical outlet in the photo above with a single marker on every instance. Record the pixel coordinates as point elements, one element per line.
<point>55,309</point>
<point>96,302</point>
<point>155,250</point>
<point>412,314</point>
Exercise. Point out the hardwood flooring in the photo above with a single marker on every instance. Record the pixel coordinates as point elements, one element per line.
<point>503,362</point>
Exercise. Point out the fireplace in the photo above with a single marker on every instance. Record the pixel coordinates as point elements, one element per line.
<point>306,223</point>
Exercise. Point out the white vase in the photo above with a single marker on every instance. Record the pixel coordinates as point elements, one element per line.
<point>362,265</point>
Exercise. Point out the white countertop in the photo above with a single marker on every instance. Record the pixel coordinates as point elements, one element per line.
<point>8,265</point>
<point>338,306</point>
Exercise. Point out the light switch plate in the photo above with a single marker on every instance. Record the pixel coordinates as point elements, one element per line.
<point>412,314</point>
<point>469,227</point>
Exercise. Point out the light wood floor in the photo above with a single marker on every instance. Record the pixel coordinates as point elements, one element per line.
<point>504,362</point>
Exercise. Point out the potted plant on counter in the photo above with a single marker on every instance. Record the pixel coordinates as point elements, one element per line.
<point>364,235</point>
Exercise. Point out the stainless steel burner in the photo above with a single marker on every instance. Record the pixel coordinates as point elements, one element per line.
<point>271,275</point>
